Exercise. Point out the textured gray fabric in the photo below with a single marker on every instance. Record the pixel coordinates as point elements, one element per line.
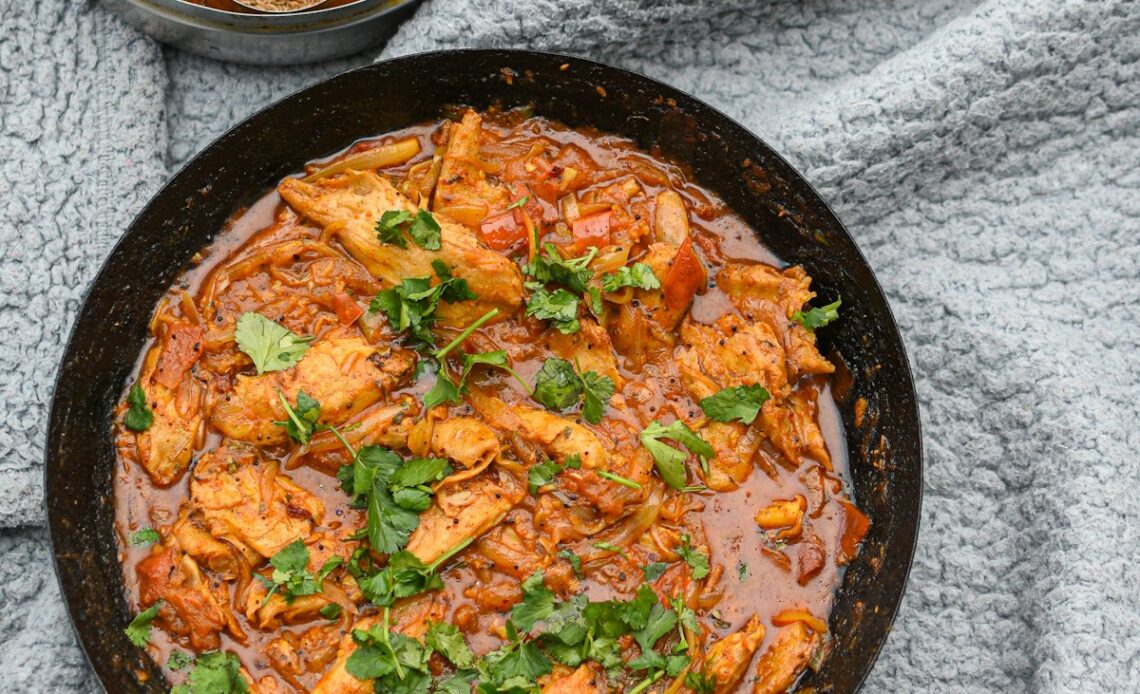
<point>986,156</point>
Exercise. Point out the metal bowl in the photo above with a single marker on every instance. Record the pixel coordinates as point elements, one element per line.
<point>267,39</point>
<point>875,395</point>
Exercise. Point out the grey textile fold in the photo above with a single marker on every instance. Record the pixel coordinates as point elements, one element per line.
<point>985,155</point>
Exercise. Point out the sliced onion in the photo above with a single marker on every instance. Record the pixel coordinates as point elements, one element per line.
<point>384,155</point>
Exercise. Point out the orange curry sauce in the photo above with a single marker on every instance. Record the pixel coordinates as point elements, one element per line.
<point>777,527</point>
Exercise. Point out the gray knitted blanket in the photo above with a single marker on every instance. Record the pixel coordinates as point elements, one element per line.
<point>984,153</point>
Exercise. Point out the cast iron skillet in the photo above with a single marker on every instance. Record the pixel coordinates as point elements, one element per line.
<point>885,447</point>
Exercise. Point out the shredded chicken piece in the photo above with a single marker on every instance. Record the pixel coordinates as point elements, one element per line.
<point>409,617</point>
<point>462,513</point>
<point>188,609</point>
<point>762,291</point>
<point>585,680</point>
<point>463,191</point>
<point>246,500</point>
<point>349,207</point>
<point>166,447</point>
<point>785,515</point>
<point>727,660</point>
<point>780,665</point>
<point>344,374</point>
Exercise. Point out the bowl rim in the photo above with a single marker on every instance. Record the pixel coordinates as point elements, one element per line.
<point>906,374</point>
<point>191,13</point>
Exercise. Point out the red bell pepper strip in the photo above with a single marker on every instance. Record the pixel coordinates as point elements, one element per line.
<point>592,230</point>
<point>686,276</point>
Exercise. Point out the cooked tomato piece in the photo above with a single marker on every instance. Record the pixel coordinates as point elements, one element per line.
<point>502,232</point>
<point>181,347</point>
<point>347,310</point>
<point>592,230</point>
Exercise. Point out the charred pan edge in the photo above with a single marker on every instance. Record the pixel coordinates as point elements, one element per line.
<point>186,214</point>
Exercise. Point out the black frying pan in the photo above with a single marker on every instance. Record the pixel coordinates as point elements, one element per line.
<point>886,450</point>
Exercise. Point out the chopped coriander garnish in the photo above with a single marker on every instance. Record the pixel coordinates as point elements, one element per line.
<point>411,306</point>
<point>574,559</point>
<point>447,390</point>
<point>670,461</point>
<point>214,673</point>
<point>698,562</point>
<point>139,416</point>
<point>302,420</point>
<point>572,273</point>
<point>393,492</point>
<point>179,660</point>
<point>517,204</point>
<point>818,317</point>
<point>145,536</point>
<point>610,547</point>
<point>421,226</point>
<point>638,275</point>
<point>558,386</point>
<point>618,479</point>
<point>740,403</point>
<point>271,346</point>
<point>742,571</point>
<point>291,577</point>
<point>541,474</point>
<point>331,611</point>
<point>446,640</point>
<point>653,571</point>
<point>560,307</point>
<point>138,631</point>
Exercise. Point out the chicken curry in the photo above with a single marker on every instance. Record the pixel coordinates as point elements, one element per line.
<point>485,405</point>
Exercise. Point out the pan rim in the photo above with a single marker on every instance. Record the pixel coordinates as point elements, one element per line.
<point>891,326</point>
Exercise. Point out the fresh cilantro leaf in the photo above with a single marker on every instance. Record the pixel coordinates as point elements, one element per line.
<point>818,317</point>
<point>557,386</point>
<point>446,640</point>
<point>560,307</point>
<point>594,301</point>
<point>411,305</point>
<point>421,226</point>
<point>698,562</point>
<point>670,462</point>
<point>179,660</point>
<point>742,571</point>
<point>301,420</point>
<point>541,474</point>
<point>214,673</point>
<point>271,346</point>
<point>139,416</point>
<point>597,391</point>
<point>388,227</point>
<point>700,683</point>
<point>638,275</point>
<point>146,536</point>
<point>331,611</point>
<point>138,631</point>
<point>418,471</point>
<point>659,622</point>
<point>291,576</point>
<point>404,576</point>
<point>517,204</point>
<point>425,231</point>
<point>610,547</point>
<point>740,403</point>
<point>574,559</point>
<point>572,273</point>
<point>653,571</point>
<point>537,603</point>
<point>618,479</point>
<point>444,390</point>
<point>573,462</point>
